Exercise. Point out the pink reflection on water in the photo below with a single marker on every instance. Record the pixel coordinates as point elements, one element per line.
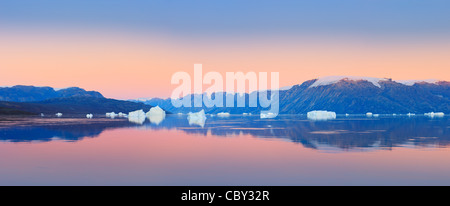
<point>131,156</point>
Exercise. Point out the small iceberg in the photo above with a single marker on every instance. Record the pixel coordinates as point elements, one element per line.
<point>267,115</point>
<point>394,114</point>
<point>223,114</point>
<point>42,115</point>
<point>321,115</point>
<point>137,116</point>
<point>245,114</point>
<point>89,116</point>
<point>112,115</point>
<point>376,115</point>
<point>432,114</point>
<point>122,114</point>
<point>198,118</point>
<point>410,114</point>
<point>156,115</point>
<point>180,114</point>
<point>58,114</point>
<point>347,115</point>
<point>369,114</point>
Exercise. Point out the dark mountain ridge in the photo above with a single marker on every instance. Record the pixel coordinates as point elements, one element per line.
<point>76,105</point>
<point>22,93</point>
<point>23,100</point>
<point>345,95</point>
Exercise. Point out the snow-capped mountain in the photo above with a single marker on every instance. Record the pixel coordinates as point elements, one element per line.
<point>352,95</point>
<point>348,94</point>
<point>335,79</point>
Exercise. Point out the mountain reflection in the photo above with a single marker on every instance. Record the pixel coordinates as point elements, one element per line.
<point>18,130</point>
<point>343,134</point>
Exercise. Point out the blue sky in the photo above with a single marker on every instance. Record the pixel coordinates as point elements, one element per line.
<point>63,43</point>
<point>234,17</point>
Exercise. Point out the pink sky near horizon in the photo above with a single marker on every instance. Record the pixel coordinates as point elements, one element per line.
<point>127,66</point>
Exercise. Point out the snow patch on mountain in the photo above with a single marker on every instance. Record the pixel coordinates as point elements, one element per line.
<point>322,81</point>
<point>412,82</point>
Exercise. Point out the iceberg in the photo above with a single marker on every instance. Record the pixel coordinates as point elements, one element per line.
<point>369,114</point>
<point>410,114</point>
<point>112,115</point>
<point>244,114</point>
<point>432,114</point>
<point>89,116</point>
<point>155,111</point>
<point>267,115</point>
<point>137,116</point>
<point>58,114</point>
<point>321,115</point>
<point>198,118</point>
<point>42,115</point>
<point>156,115</point>
<point>122,114</point>
<point>347,115</point>
<point>223,114</point>
<point>376,115</point>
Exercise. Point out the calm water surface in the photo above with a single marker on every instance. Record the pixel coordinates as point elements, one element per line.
<point>288,150</point>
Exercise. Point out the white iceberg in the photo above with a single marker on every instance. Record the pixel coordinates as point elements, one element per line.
<point>244,114</point>
<point>369,114</point>
<point>223,114</point>
<point>42,115</point>
<point>432,114</point>
<point>155,111</point>
<point>112,115</point>
<point>321,115</point>
<point>89,116</point>
<point>410,114</point>
<point>58,114</point>
<point>180,114</point>
<point>376,115</point>
<point>267,115</point>
<point>156,115</point>
<point>137,116</point>
<point>347,115</point>
<point>198,118</point>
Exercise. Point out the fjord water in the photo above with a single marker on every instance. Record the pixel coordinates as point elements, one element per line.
<point>236,150</point>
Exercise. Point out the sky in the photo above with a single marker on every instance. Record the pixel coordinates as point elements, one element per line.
<point>130,49</point>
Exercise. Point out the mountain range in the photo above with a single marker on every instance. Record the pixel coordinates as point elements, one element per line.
<point>21,93</point>
<point>342,94</point>
<point>23,100</point>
